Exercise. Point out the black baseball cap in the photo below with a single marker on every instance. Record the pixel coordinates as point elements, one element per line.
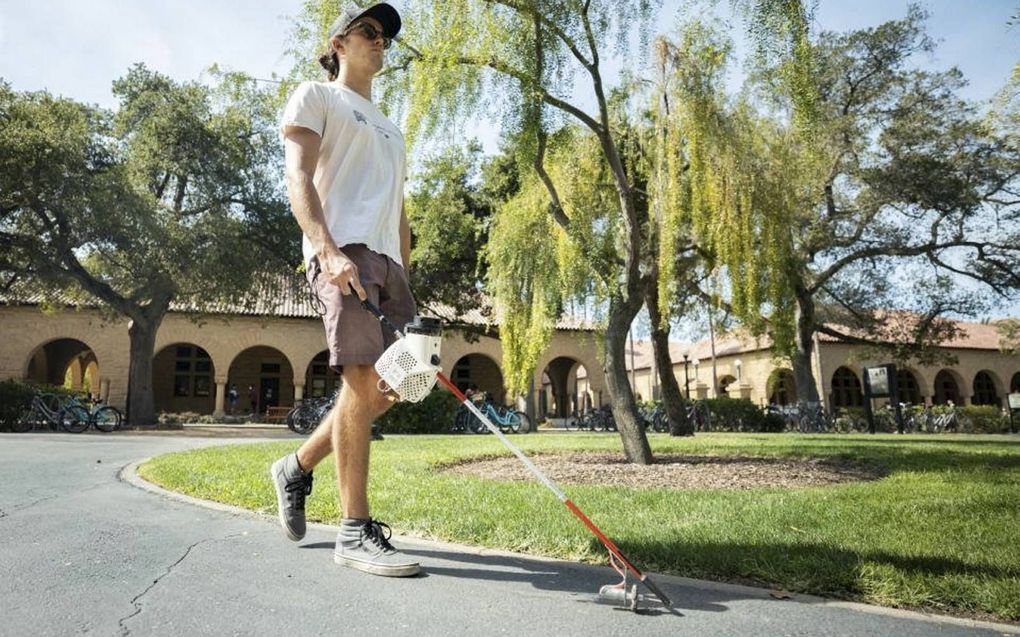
<point>384,13</point>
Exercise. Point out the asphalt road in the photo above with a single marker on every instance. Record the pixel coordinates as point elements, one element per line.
<point>84,551</point>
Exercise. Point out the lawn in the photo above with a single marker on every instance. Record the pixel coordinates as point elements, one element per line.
<point>939,532</point>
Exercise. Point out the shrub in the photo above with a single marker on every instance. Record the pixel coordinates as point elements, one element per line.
<point>740,414</point>
<point>14,396</point>
<point>435,414</point>
<point>984,419</point>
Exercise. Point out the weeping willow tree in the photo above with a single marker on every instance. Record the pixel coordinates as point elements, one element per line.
<point>535,67</point>
<point>862,169</point>
<point>729,181</point>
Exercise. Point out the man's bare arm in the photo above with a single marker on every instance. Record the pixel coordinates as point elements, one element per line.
<point>301,152</point>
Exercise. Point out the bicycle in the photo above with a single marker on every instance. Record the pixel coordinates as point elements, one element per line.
<point>304,418</point>
<point>47,409</point>
<point>811,418</point>
<point>508,420</point>
<point>699,415</point>
<point>601,419</point>
<point>104,418</point>
<point>655,418</point>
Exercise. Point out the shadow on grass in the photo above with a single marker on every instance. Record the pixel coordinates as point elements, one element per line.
<point>894,456</point>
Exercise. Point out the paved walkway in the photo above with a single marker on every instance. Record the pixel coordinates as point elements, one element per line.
<point>84,551</point>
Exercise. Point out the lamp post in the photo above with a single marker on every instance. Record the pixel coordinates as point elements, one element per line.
<point>687,379</point>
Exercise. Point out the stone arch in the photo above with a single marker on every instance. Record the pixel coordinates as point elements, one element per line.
<point>985,387</point>
<point>264,376</point>
<point>320,379</point>
<point>908,388</point>
<point>846,388</point>
<point>559,390</point>
<point>580,350</point>
<point>781,387</point>
<point>183,379</point>
<point>50,362</point>
<point>947,385</point>
<point>724,384</point>
<point>481,371</point>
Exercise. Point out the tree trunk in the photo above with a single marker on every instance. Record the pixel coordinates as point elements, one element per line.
<point>672,399</point>
<point>621,396</point>
<point>807,390</point>
<point>141,407</point>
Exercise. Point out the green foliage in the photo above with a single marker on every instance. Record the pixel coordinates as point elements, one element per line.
<point>985,419</point>
<point>779,30</point>
<point>432,415</point>
<point>728,179</point>
<point>448,218</point>
<point>174,198</point>
<point>171,197</point>
<point>740,414</point>
<point>536,266</point>
<point>524,282</point>
<point>14,397</point>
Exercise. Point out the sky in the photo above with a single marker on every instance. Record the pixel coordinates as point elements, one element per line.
<point>77,48</point>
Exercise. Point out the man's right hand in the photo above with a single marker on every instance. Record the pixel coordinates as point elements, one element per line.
<point>341,272</point>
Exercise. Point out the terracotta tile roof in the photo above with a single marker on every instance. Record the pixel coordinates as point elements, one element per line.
<point>980,336</point>
<point>292,301</point>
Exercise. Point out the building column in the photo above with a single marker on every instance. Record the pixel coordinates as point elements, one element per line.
<point>104,389</point>
<point>299,392</point>
<point>221,394</point>
<point>76,374</point>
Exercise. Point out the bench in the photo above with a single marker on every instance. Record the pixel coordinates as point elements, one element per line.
<point>277,413</point>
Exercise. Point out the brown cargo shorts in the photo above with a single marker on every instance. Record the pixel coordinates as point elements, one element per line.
<point>353,335</point>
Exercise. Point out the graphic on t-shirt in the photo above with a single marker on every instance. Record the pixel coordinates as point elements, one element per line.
<point>360,117</point>
<point>379,129</point>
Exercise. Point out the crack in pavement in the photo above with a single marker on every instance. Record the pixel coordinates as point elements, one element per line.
<point>122,622</point>
<point>56,496</point>
<point>22,507</point>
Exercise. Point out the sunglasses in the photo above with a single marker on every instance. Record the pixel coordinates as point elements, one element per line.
<point>369,32</point>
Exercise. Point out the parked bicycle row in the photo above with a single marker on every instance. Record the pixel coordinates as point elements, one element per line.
<point>70,413</point>
<point>304,417</point>
<point>507,419</point>
<point>949,418</point>
<point>704,415</point>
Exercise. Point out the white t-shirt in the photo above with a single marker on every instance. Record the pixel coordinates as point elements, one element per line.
<point>361,168</point>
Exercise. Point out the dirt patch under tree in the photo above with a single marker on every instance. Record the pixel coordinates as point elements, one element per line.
<point>674,471</point>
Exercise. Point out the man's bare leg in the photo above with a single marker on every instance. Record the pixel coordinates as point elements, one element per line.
<point>359,404</point>
<point>320,443</point>
<point>362,543</point>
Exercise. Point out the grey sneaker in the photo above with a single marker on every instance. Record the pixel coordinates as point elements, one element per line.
<point>365,545</point>
<point>292,485</point>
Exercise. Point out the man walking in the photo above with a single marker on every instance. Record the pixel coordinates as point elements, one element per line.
<point>345,164</point>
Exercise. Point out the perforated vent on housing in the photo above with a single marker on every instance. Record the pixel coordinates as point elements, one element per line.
<point>411,378</point>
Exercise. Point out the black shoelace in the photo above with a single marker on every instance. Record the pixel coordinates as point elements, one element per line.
<point>378,533</point>
<point>298,489</point>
